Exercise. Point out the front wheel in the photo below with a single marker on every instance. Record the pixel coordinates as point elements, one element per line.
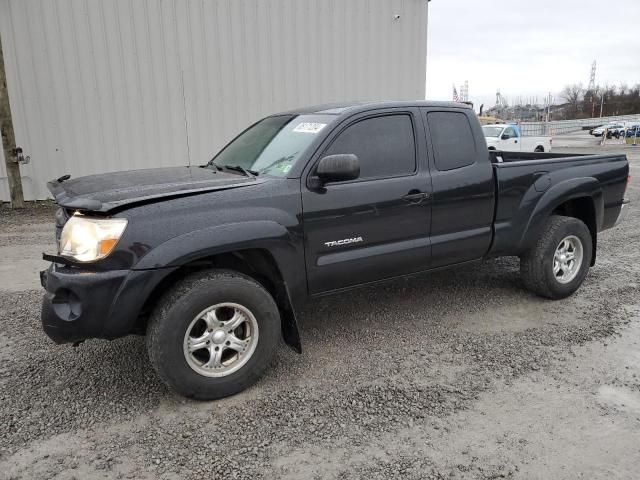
<point>213,334</point>
<point>558,263</point>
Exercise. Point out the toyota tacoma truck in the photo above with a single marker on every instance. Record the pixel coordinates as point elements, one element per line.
<point>213,262</point>
<point>508,138</point>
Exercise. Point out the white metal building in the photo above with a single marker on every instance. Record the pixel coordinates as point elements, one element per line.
<point>99,86</point>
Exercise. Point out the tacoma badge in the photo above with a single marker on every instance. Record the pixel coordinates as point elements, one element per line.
<point>345,241</point>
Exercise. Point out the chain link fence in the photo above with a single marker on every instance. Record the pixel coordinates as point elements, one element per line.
<point>559,127</point>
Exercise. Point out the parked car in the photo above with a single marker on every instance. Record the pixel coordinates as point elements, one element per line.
<point>213,263</point>
<point>609,127</point>
<point>617,132</point>
<point>632,129</point>
<point>508,138</point>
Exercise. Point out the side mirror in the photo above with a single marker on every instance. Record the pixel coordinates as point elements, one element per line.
<point>338,168</point>
<point>505,136</point>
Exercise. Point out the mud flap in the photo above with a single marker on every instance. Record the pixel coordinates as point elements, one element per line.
<point>290,332</point>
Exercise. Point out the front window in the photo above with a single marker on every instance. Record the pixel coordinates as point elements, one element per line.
<point>492,131</point>
<point>385,146</point>
<point>273,145</point>
<point>510,133</point>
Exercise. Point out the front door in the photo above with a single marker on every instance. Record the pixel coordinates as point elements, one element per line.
<point>376,226</point>
<point>510,140</point>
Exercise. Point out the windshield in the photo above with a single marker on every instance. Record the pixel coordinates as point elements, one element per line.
<point>492,131</point>
<point>273,145</point>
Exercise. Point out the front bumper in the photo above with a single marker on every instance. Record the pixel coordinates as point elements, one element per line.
<point>81,304</point>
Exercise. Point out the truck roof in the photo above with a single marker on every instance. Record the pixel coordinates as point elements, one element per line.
<point>354,107</point>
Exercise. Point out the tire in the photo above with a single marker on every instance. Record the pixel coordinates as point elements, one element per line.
<point>538,263</point>
<point>539,149</point>
<point>197,372</point>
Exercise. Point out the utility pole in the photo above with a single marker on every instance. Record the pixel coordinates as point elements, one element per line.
<point>9,141</point>
<point>592,78</point>
<point>601,104</point>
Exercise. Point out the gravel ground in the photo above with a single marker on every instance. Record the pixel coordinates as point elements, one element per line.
<point>458,374</point>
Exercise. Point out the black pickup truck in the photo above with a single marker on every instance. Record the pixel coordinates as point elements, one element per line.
<point>213,262</point>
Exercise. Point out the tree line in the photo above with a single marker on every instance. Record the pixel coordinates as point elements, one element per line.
<point>613,100</point>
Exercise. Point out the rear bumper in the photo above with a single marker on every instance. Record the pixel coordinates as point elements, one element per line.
<point>80,304</point>
<point>624,211</point>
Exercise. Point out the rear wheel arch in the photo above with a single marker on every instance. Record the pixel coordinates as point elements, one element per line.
<point>584,209</point>
<point>579,198</point>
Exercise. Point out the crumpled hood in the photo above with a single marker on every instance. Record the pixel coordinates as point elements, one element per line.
<point>108,191</point>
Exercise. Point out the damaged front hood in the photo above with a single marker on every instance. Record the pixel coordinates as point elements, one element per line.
<point>108,191</point>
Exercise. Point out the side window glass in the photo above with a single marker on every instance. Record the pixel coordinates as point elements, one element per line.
<point>385,146</point>
<point>510,132</point>
<point>453,140</point>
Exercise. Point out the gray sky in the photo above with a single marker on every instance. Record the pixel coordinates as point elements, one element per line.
<point>527,47</point>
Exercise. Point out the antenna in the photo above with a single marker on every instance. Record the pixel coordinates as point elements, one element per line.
<point>592,78</point>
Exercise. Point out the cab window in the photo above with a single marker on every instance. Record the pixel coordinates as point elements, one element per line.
<point>509,132</point>
<point>385,146</point>
<point>452,139</point>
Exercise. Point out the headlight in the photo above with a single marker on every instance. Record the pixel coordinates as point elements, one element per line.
<point>88,239</point>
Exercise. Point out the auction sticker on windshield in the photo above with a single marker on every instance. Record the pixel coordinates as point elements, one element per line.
<point>309,127</point>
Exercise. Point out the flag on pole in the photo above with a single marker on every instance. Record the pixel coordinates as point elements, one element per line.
<point>455,94</point>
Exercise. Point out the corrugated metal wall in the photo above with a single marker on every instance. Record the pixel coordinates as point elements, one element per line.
<point>99,86</point>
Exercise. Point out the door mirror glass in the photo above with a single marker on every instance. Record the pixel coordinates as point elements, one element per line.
<point>338,168</point>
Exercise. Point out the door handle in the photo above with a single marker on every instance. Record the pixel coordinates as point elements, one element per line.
<point>416,197</point>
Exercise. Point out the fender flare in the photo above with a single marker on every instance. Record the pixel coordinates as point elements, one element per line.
<point>555,196</point>
<point>197,244</point>
<point>260,234</point>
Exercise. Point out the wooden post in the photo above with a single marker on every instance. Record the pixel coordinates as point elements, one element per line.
<point>9,140</point>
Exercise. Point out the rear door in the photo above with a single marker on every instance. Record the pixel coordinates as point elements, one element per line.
<point>463,187</point>
<point>377,226</point>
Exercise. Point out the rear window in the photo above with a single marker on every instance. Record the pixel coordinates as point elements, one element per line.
<point>453,142</point>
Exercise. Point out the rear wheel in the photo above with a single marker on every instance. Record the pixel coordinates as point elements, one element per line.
<point>558,263</point>
<point>539,149</point>
<point>213,334</point>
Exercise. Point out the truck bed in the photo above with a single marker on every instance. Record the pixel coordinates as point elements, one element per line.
<point>525,185</point>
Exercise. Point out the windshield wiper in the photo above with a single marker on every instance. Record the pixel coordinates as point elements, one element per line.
<point>238,168</point>
<point>212,166</point>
